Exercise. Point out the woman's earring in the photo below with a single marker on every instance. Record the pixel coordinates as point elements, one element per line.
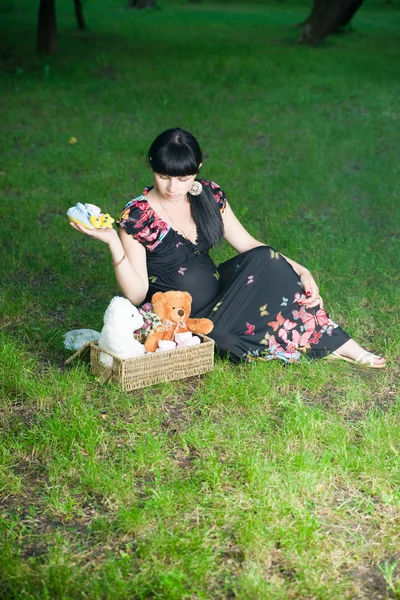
<point>196,188</point>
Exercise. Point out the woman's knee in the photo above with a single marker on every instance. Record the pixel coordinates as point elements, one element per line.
<point>267,250</point>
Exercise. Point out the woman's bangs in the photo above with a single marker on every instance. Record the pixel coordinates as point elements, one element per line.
<point>175,161</point>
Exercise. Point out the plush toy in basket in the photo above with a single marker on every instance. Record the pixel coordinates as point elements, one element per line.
<point>121,319</point>
<point>173,309</point>
<point>119,357</point>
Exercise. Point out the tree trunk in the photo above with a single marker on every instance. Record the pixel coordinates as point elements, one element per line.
<point>47,27</point>
<point>349,13</point>
<point>326,15</point>
<point>141,3</point>
<point>80,19</point>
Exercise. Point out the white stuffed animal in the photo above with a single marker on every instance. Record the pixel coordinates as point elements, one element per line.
<point>121,319</point>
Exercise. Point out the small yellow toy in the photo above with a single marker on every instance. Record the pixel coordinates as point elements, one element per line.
<point>102,221</point>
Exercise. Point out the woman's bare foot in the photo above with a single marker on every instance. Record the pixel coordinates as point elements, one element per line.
<point>355,352</point>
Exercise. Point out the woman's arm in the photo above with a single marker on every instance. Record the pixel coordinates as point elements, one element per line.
<point>236,235</point>
<point>131,273</point>
<point>129,259</point>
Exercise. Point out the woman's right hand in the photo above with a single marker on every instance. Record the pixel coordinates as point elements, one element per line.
<point>107,235</point>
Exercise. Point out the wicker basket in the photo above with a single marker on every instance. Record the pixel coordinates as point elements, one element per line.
<point>155,367</point>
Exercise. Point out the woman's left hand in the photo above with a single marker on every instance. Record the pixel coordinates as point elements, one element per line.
<point>311,290</point>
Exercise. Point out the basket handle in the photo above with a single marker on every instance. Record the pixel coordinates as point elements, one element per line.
<point>81,350</point>
<point>105,376</point>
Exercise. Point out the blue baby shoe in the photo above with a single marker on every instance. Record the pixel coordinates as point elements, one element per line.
<point>92,209</point>
<point>78,214</point>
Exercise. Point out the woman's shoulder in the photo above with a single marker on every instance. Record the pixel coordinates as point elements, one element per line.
<point>139,220</point>
<point>134,207</point>
<point>215,187</point>
<point>217,192</point>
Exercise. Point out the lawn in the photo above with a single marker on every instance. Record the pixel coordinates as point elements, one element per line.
<point>258,481</point>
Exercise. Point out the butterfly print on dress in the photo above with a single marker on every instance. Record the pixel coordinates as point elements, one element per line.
<point>250,329</point>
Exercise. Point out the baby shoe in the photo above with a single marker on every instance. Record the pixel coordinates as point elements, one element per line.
<point>92,209</point>
<point>78,214</point>
<point>76,338</point>
<point>93,212</point>
<point>186,339</point>
<point>165,345</point>
<point>182,338</point>
<point>90,216</point>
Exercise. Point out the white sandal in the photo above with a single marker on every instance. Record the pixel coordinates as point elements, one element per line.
<point>365,359</point>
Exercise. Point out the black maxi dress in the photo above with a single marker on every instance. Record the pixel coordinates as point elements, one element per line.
<point>252,298</point>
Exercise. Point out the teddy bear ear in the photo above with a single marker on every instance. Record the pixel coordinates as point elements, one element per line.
<point>111,307</point>
<point>156,297</point>
<point>158,300</point>
<point>187,296</point>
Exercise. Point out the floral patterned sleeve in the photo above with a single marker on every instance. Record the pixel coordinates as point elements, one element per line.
<point>140,221</point>
<point>217,192</point>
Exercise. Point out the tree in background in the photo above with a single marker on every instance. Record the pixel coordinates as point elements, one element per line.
<point>141,3</point>
<point>80,19</point>
<point>327,16</point>
<point>47,25</point>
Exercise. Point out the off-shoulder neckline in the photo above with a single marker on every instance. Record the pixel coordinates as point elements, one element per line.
<point>142,198</point>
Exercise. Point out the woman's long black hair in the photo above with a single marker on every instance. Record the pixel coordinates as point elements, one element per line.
<point>176,153</point>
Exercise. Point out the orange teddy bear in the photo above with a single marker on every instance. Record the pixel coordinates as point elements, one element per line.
<point>173,308</point>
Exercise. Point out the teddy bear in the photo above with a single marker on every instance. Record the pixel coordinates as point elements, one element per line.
<point>121,319</point>
<point>173,308</point>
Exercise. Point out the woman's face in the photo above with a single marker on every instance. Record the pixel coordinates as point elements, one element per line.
<point>173,188</point>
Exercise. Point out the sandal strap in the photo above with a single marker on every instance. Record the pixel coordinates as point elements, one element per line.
<point>367,358</point>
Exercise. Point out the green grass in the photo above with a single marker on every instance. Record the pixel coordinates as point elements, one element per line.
<point>254,482</point>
